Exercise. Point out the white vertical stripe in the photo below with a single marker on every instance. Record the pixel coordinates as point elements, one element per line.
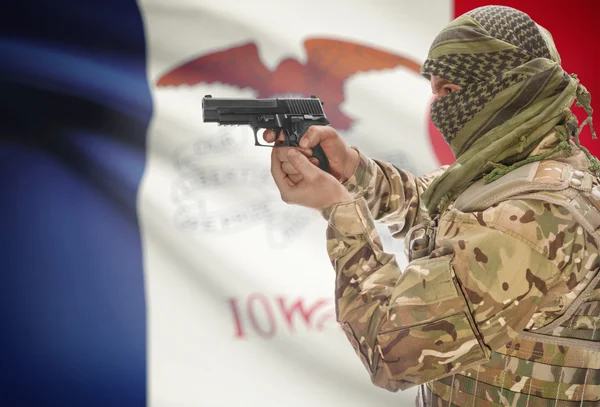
<point>193,356</point>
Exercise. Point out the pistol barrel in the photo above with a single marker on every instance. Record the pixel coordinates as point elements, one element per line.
<point>216,109</point>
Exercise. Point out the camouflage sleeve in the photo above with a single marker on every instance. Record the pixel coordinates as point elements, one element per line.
<point>445,312</point>
<point>392,194</point>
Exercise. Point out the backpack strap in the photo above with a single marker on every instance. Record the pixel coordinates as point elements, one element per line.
<point>551,181</point>
<point>539,176</point>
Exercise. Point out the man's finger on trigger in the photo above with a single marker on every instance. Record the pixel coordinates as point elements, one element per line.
<point>269,135</point>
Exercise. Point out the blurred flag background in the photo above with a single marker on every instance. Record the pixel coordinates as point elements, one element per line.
<point>145,257</point>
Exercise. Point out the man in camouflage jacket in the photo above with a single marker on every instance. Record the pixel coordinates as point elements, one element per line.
<point>500,302</point>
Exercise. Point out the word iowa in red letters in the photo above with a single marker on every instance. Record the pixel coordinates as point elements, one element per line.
<point>259,315</point>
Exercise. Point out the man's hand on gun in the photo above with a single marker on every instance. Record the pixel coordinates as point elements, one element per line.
<point>296,172</point>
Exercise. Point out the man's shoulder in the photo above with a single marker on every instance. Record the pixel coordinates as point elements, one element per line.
<point>515,213</point>
<point>531,202</point>
<point>544,226</point>
<point>536,218</point>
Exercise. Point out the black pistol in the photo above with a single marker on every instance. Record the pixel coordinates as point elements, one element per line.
<point>292,115</point>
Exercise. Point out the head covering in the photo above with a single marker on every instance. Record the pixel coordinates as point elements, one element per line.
<point>514,93</point>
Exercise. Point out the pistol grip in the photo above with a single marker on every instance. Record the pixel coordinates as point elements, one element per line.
<point>294,136</point>
<point>319,154</point>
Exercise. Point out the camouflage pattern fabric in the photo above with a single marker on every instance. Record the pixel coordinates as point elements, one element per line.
<point>514,93</point>
<point>452,321</point>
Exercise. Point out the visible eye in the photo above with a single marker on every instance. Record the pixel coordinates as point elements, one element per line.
<point>447,90</point>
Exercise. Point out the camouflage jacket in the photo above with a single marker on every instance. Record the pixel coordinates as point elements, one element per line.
<point>513,266</point>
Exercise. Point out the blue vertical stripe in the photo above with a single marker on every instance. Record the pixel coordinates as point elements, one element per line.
<point>75,107</point>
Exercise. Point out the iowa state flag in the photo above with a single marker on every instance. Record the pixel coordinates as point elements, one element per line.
<point>146,257</point>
